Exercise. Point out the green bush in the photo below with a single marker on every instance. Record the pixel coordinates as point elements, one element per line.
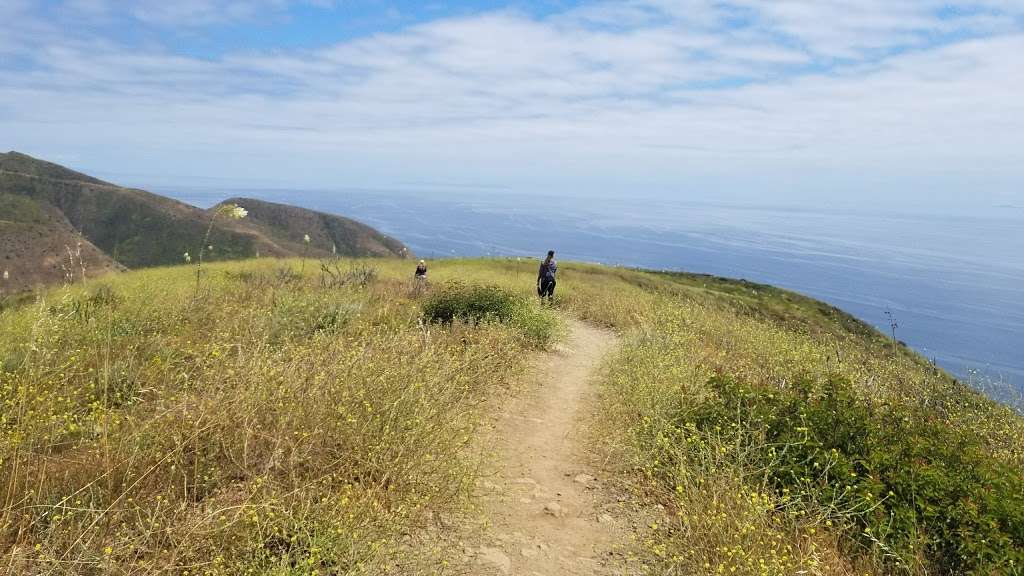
<point>471,303</point>
<point>475,304</point>
<point>901,477</point>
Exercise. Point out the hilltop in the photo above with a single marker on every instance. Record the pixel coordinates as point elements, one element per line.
<point>54,220</point>
<point>281,419</point>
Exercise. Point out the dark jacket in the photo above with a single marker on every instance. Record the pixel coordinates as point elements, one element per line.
<point>547,270</point>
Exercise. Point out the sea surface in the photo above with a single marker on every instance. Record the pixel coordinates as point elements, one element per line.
<point>953,282</point>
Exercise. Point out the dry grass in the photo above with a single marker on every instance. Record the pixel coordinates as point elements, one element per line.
<point>291,423</point>
<point>273,426</point>
<point>726,513</point>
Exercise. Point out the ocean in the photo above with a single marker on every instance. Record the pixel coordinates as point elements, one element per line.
<point>954,283</point>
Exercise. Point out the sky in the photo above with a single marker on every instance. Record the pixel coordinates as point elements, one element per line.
<point>834,103</point>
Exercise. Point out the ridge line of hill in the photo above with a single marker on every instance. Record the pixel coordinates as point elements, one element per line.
<point>99,184</point>
<point>60,225</point>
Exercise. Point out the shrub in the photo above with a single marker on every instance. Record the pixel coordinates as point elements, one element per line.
<point>471,303</point>
<point>901,477</point>
<point>810,451</point>
<point>475,304</point>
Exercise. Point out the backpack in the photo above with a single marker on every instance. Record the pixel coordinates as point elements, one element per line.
<point>548,269</point>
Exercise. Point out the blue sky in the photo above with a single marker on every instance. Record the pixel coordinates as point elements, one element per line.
<point>854,102</point>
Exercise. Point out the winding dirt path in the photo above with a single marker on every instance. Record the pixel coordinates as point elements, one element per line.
<point>545,511</point>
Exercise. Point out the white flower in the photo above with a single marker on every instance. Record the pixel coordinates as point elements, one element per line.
<point>233,211</point>
<point>7,275</point>
<point>188,258</point>
<point>306,238</point>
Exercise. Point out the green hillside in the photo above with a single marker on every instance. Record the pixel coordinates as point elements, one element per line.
<point>329,234</point>
<point>39,246</point>
<point>135,229</point>
<point>280,418</point>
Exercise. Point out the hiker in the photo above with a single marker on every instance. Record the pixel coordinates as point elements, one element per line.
<point>419,279</point>
<point>546,277</point>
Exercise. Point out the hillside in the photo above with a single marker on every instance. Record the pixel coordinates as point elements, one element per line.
<point>40,246</point>
<point>276,420</point>
<point>329,234</point>
<point>129,228</point>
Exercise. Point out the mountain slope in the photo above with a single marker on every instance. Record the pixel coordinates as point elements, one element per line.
<point>18,163</point>
<point>287,225</point>
<point>134,228</point>
<point>40,246</point>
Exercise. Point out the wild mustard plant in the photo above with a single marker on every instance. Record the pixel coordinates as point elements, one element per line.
<point>305,251</point>
<point>231,211</point>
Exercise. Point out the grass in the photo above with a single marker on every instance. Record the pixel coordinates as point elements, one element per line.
<point>784,437</point>
<point>301,423</point>
<point>277,425</point>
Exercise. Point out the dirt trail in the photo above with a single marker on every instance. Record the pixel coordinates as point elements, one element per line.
<point>545,510</point>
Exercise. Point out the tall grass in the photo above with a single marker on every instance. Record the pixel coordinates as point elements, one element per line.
<point>277,425</point>
<point>289,423</point>
<point>785,444</point>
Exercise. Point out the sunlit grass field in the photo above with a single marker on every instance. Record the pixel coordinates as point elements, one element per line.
<point>281,418</point>
<point>785,437</point>
<point>276,419</point>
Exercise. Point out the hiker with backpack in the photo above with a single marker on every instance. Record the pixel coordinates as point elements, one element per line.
<point>419,283</point>
<point>546,277</point>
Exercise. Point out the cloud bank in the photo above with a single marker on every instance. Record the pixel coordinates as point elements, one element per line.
<point>793,99</point>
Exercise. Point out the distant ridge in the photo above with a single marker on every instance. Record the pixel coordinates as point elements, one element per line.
<point>51,215</point>
<point>287,226</point>
<point>25,165</point>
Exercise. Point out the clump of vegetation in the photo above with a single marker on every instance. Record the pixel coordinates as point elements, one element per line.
<point>898,476</point>
<point>334,274</point>
<point>472,303</point>
<point>785,442</point>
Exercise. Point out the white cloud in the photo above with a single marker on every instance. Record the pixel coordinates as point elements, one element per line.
<point>187,13</point>
<point>664,95</point>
